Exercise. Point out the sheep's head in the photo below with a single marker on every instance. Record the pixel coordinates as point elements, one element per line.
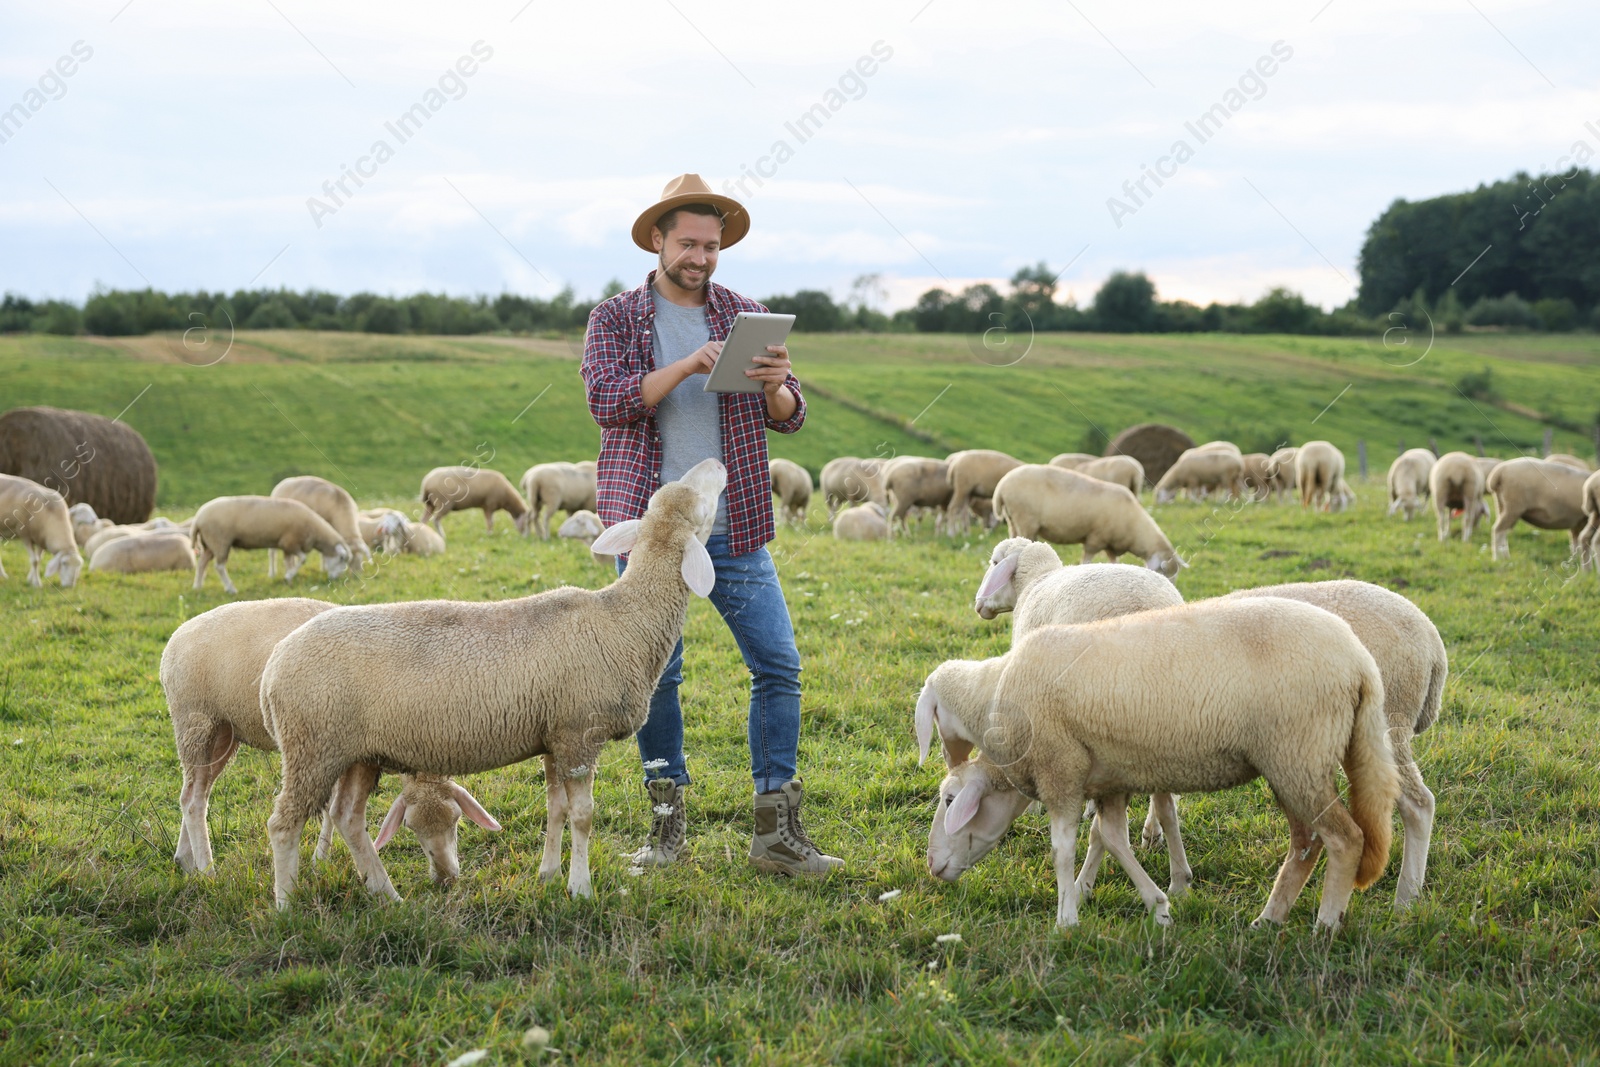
<point>977,805</point>
<point>337,560</point>
<point>997,593</point>
<point>686,506</point>
<point>66,564</point>
<point>1165,563</point>
<point>433,810</point>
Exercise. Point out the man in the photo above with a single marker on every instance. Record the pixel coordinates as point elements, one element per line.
<point>644,365</point>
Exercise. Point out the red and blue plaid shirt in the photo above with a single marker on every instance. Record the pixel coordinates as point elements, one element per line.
<point>617,353</point>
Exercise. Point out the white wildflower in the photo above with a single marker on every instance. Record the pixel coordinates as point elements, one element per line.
<point>622,892</point>
<point>536,1037</point>
<point>654,764</point>
<point>664,809</point>
<point>636,871</point>
<point>933,965</point>
<point>948,939</point>
<point>579,771</point>
<point>835,615</point>
<point>888,896</point>
<point>18,741</point>
<point>467,1058</point>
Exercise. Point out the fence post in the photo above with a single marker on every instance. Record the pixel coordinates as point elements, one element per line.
<point>1549,439</point>
<point>1361,455</point>
<point>1433,445</point>
<point>1477,439</point>
<point>1402,446</point>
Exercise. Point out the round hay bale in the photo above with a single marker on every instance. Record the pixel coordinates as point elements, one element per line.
<point>1152,444</point>
<point>89,459</point>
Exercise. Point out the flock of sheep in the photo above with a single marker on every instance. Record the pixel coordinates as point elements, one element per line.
<point>1093,701</point>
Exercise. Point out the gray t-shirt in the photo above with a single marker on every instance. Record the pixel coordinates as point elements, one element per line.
<point>688,418</point>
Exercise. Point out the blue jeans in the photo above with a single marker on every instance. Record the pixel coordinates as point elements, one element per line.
<point>748,596</point>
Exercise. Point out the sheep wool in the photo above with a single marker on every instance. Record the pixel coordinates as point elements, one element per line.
<point>38,517</point>
<point>1456,484</point>
<point>462,488</point>
<point>1047,503</point>
<point>1548,496</point>
<point>791,484</point>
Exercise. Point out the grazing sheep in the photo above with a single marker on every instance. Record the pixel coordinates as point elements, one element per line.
<point>973,474</point>
<point>454,687</point>
<point>1548,496</point>
<point>1319,471</point>
<point>1567,460</point>
<point>1457,484</point>
<point>1195,698</point>
<point>852,479</point>
<point>1589,539</point>
<point>1068,508</point>
<point>143,553</point>
<point>230,522</point>
<point>105,535</point>
<point>1258,475</point>
<point>585,526</point>
<point>447,489</point>
<point>211,672</point>
<point>916,482</point>
<point>863,522</point>
<point>791,484</point>
<point>1409,478</point>
<point>1220,446</point>
<point>1282,472</point>
<point>383,529</point>
<point>335,504</point>
<point>1118,470</point>
<point>1071,461</point>
<point>1199,471</point>
<point>553,487</point>
<point>38,517</point>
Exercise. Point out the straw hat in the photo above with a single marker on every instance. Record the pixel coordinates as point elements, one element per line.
<point>692,189</point>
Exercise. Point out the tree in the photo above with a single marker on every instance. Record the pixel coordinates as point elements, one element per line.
<point>1125,303</point>
<point>813,310</point>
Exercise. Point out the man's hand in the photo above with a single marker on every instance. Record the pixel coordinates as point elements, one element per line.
<point>772,370</point>
<point>702,359</point>
<point>655,386</point>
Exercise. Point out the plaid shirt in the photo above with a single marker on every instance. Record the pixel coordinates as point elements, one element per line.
<point>617,353</point>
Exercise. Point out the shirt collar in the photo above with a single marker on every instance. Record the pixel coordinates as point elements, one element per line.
<point>715,296</point>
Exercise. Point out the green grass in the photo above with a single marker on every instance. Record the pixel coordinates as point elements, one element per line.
<point>106,949</point>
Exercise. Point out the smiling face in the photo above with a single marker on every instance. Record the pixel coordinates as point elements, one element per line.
<point>688,248</point>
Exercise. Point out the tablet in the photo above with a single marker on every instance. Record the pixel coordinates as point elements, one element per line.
<point>752,332</point>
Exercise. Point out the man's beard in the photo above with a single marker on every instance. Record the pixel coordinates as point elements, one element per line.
<point>676,276</point>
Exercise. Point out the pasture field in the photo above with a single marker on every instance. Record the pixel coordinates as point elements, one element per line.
<point>108,954</point>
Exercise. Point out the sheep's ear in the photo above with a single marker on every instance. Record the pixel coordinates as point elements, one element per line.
<point>953,738</point>
<point>391,821</point>
<point>53,566</point>
<point>343,552</point>
<point>927,704</point>
<point>698,572</point>
<point>618,540</point>
<point>998,576</point>
<point>965,805</point>
<point>471,808</point>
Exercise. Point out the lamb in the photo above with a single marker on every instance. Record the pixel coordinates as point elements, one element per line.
<point>211,672</point>
<point>447,489</point>
<point>1281,470</point>
<point>38,517</point>
<point>1118,470</point>
<point>1545,495</point>
<point>916,482</point>
<point>585,526</point>
<point>420,539</point>
<point>1457,484</point>
<point>230,522</point>
<point>553,487</point>
<point>383,528</point>
<point>1319,471</point>
<point>864,522</point>
<point>336,506</point>
<point>85,523</point>
<point>973,473</point>
<point>850,478</point>
<point>145,553</point>
<point>454,687</point>
<point>1199,471</point>
<point>1071,461</point>
<point>791,484</point>
<point>1589,539</point>
<point>1572,461</point>
<point>1409,478</point>
<point>1068,508</point>
<point>1195,698</point>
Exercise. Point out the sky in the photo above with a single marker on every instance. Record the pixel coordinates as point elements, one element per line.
<point>200,145</point>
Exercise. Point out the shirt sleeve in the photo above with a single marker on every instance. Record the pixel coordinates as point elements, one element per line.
<point>614,392</point>
<point>795,421</point>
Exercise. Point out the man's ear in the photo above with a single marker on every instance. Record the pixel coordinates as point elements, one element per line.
<point>657,238</point>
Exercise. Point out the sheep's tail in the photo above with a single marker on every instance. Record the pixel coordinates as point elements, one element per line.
<point>1434,697</point>
<point>1374,781</point>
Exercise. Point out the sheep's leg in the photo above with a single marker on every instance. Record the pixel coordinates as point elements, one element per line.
<point>1112,814</point>
<point>292,562</point>
<point>202,763</point>
<point>324,850</point>
<point>1293,875</point>
<point>1416,814</point>
<point>201,561</point>
<point>220,561</point>
<point>33,565</point>
<point>1500,537</point>
<point>580,805</point>
<point>272,563</point>
<point>1063,843</point>
<point>1164,809</point>
<point>300,796</point>
<point>555,818</point>
<point>1093,856</point>
<point>1343,840</point>
<point>1152,831</point>
<point>348,808</point>
<point>1443,512</point>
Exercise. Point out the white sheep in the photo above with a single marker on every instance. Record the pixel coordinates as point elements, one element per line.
<point>1118,470</point>
<point>552,487</point>
<point>916,484</point>
<point>461,488</point>
<point>863,522</point>
<point>1486,466</point>
<point>585,526</point>
<point>37,516</point>
<point>230,522</point>
<point>420,539</point>
<point>1071,461</point>
<point>1050,504</point>
<point>105,535</point>
<point>1548,496</point>
<point>854,480</point>
<point>154,551</point>
<point>1220,446</point>
<point>455,687</point>
<point>1319,471</point>
<point>1281,471</point>
<point>336,506</point>
<point>211,673</point>
<point>1258,475</point>
<point>973,475</point>
<point>1195,698</point>
<point>1201,471</point>
<point>1408,480</point>
<point>383,529</point>
<point>85,523</point>
<point>791,484</point>
<point>1589,538</point>
<point>1456,483</point>
<point>1568,460</point>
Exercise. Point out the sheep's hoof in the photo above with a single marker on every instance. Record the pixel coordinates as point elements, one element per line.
<point>550,875</point>
<point>581,889</point>
<point>1161,915</point>
<point>1150,839</point>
